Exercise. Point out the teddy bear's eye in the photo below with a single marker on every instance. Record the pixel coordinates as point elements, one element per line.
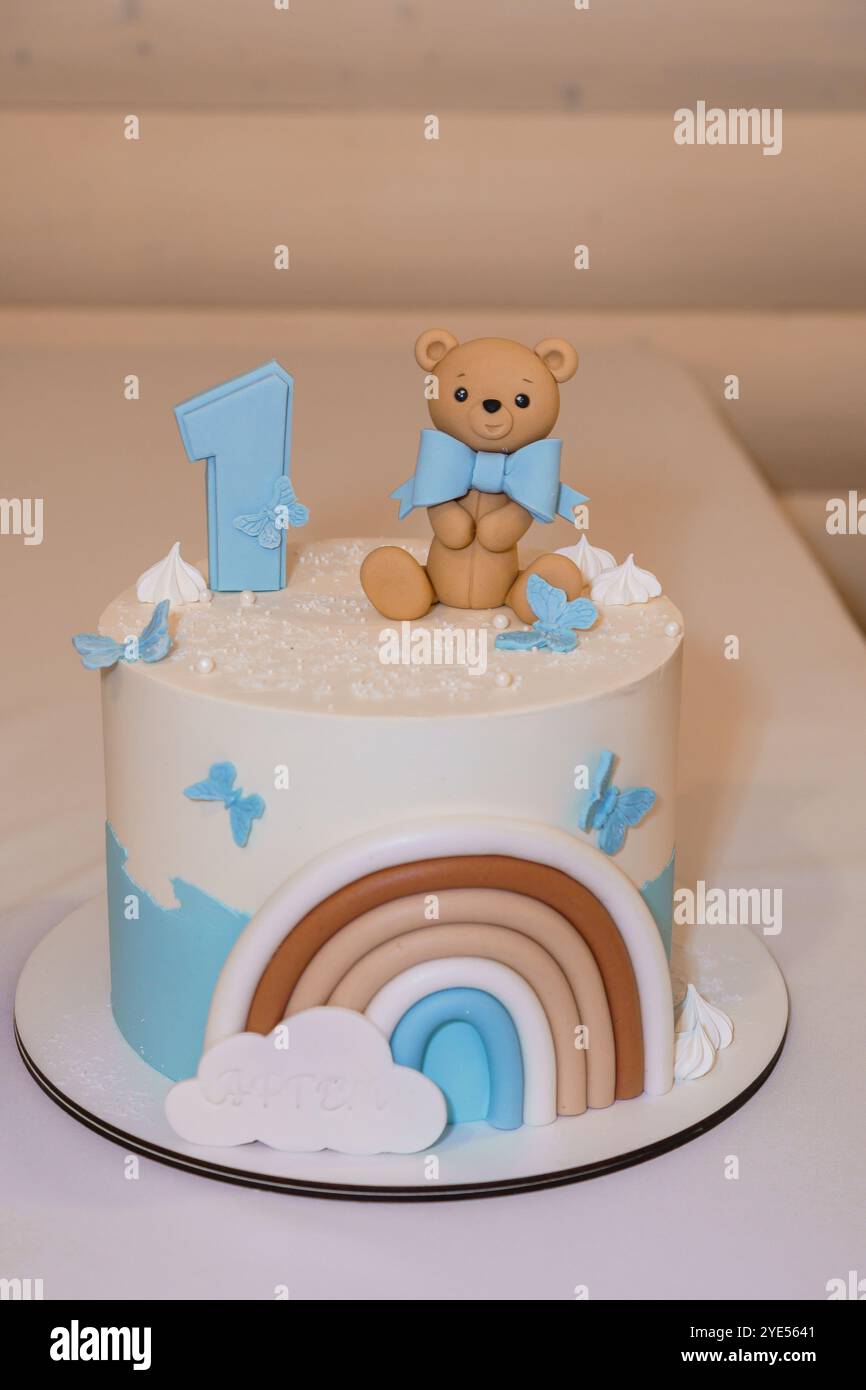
<point>521,401</point>
<point>461,393</point>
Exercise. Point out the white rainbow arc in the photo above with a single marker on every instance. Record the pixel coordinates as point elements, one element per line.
<point>394,999</point>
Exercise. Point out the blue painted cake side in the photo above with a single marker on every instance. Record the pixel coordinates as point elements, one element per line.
<point>164,964</point>
<point>658,894</point>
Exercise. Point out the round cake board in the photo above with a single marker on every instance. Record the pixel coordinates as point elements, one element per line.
<point>72,1047</point>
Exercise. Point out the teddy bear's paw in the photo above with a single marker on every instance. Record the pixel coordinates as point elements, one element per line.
<point>396,584</point>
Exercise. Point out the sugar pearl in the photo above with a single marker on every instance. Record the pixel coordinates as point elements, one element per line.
<point>672,630</point>
<point>502,679</point>
<point>204,665</point>
<point>501,620</point>
<point>248,598</point>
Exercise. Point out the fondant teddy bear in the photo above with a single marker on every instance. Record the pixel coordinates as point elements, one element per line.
<point>484,473</point>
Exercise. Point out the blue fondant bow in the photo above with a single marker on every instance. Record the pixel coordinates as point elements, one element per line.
<point>530,476</point>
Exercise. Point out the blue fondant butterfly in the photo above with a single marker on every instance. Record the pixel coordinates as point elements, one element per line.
<point>284,511</point>
<point>219,786</point>
<point>556,620</point>
<point>151,644</point>
<point>610,812</point>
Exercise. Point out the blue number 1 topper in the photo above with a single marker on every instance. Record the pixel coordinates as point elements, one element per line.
<point>243,429</point>
<point>610,812</point>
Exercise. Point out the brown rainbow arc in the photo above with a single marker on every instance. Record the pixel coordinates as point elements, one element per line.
<point>572,901</point>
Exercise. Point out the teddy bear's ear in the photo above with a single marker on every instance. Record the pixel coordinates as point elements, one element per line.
<point>558,356</point>
<point>432,346</point>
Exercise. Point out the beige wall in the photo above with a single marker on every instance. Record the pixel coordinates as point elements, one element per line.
<point>374,215</point>
<point>714,256</point>
<point>440,55</point>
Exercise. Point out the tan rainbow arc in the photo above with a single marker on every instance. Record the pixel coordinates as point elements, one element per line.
<point>485,907</point>
<point>570,900</point>
<point>374,970</point>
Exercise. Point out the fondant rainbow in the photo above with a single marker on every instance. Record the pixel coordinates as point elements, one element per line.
<point>543,924</point>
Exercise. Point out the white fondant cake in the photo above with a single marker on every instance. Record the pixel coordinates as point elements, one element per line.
<point>363,750</point>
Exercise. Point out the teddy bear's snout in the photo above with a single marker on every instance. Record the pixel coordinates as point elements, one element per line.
<point>490,419</point>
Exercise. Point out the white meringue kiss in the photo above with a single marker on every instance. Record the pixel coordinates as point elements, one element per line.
<point>625,585</point>
<point>171,578</point>
<point>591,560</point>
<point>702,1030</point>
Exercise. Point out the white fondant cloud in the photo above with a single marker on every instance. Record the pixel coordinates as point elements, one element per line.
<point>323,1079</point>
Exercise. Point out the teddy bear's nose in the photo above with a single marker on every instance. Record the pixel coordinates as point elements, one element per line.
<point>491,406</point>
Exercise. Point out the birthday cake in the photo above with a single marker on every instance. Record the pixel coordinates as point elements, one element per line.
<point>391,824</point>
